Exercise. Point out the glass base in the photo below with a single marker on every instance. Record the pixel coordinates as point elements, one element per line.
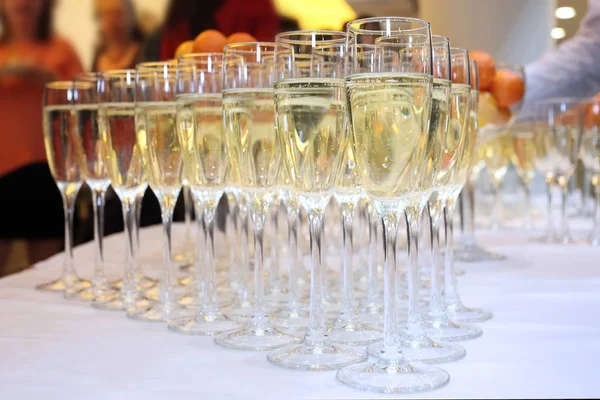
<point>446,330</point>
<point>240,311</point>
<point>158,312</point>
<point>461,313</point>
<point>545,239</point>
<point>81,295</point>
<point>154,292</point>
<point>60,284</point>
<point>204,324</point>
<point>476,253</point>
<point>592,240</point>
<point>253,338</point>
<point>190,280</point>
<point>144,283</point>
<point>371,318</point>
<point>424,350</point>
<point>192,300</point>
<point>316,358</point>
<point>100,291</point>
<point>118,304</point>
<point>292,321</point>
<point>353,333</point>
<point>392,377</point>
<point>277,298</point>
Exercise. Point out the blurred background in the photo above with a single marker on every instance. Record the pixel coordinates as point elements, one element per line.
<point>43,40</point>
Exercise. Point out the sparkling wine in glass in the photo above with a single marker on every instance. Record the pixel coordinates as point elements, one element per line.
<point>161,151</point>
<point>389,97</point>
<point>66,158</point>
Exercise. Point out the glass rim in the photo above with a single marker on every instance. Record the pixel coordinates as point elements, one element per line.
<point>196,58</point>
<point>363,21</point>
<point>87,76</point>
<point>459,49</point>
<point>119,72</point>
<point>282,36</point>
<point>232,47</point>
<point>382,40</point>
<point>156,64</point>
<point>61,85</point>
<point>559,100</point>
<point>439,39</point>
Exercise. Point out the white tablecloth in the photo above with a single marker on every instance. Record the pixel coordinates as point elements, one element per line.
<point>543,342</point>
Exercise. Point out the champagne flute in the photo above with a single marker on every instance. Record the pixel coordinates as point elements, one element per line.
<point>65,159</point>
<point>565,123</point>
<point>522,157</point>
<point>496,153</point>
<point>470,250</point>
<point>544,164</point>
<point>116,120</point>
<point>200,128</point>
<point>590,156</point>
<point>389,97</point>
<point>449,181</point>
<point>95,174</point>
<point>160,148</point>
<point>255,156</point>
<point>461,118</point>
<point>328,62</point>
<point>311,124</point>
<point>416,345</point>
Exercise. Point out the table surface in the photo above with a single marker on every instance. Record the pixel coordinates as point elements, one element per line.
<point>543,342</point>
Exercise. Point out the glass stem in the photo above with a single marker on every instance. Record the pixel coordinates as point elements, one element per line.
<point>244,289</point>
<point>209,304</point>
<point>274,284</point>
<point>99,279</point>
<point>200,262</point>
<point>259,210</point>
<point>450,292</point>
<point>467,203</point>
<point>391,349</point>
<point>549,226</point>
<point>586,189</point>
<point>129,286</point>
<point>528,217</point>
<point>292,214</point>
<point>564,223</point>
<point>189,209</point>
<point>166,295</point>
<point>139,272</point>
<point>496,214</point>
<point>232,232</point>
<point>69,196</point>
<point>315,333</point>
<point>436,307</point>
<point>347,309</point>
<point>413,324</point>
<point>595,238</point>
<point>373,299</point>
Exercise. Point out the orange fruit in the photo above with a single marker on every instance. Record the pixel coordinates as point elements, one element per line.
<point>486,68</point>
<point>240,37</point>
<point>503,116</point>
<point>184,48</point>
<point>507,88</point>
<point>209,41</point>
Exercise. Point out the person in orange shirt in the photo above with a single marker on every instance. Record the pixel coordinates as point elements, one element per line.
<point>30,56</point>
